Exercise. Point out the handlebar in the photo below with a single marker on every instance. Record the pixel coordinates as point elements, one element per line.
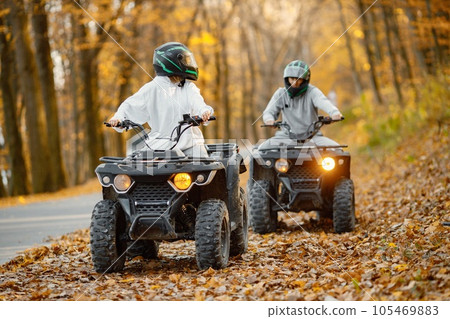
<point>312,130</point>
<point>187,119</point>
<point>276,124</point>
<point>126,124</point>
<point>194,120</point>
<point>329,120</point>
<point>187,122</point>
<point>322,119</point>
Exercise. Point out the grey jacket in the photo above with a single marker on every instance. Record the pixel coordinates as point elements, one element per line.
<point>299,112</point>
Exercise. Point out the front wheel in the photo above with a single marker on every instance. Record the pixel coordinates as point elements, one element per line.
<point>107,243</point>
<point>212,234</point>
<point>263,218</point>
<point>344,206</point>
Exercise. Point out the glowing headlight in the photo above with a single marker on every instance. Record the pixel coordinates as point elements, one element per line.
<point>182,181</point>
<point>282,165</point>
<point>122,182</point>
<point>328,163</point>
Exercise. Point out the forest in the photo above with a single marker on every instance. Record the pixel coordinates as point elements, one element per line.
<point>66,65</point>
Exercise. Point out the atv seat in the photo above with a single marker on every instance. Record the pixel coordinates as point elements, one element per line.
<point>223,150</point>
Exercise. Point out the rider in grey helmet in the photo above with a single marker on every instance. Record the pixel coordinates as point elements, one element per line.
<point>298,102</point>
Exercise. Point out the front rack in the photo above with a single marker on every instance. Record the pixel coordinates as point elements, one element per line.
<point>127,160</point>
<point>299,147</point>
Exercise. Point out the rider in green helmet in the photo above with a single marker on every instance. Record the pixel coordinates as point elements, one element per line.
<point>162,102</point>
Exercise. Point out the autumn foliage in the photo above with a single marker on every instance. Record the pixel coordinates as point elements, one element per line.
<point>66,65</point>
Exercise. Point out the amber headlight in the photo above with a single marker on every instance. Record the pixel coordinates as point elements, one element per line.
<point>328,163</point>
<point>122,182</point>
<point>182,181</point>
<point>282,165</point>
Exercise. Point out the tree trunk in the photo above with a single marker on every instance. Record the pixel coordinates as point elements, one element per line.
<point>89,82</point>
<point>387,14</point>
<point>191,30</point>
<point>370,54</point>
<point>437,49</point>
<point>372,21</point>
<point>225,87</point>
<point>403,53</point>
<point>252,80</point>
<point>93,143</point>
<point>3,192</point>
<point>245,90</point>
<point>45,71</point>
<point>39,154</point>
<point>419,54</point>
<point>126,70</point>
<point>222,68</point>
<point>19,176</point>
<point>351,55</point>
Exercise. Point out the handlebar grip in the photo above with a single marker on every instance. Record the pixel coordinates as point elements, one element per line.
<point>341,119</point>
<point>121,124</point>
<point>199,118</point>
<point>326,120</point>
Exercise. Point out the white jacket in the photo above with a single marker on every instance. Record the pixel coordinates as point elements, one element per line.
<point>162,104</point>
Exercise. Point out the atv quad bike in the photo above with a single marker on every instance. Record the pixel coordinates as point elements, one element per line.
<point>301,177</point>
<point>152,196</point>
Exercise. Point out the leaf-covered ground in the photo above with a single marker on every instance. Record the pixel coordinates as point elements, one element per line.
<point>399,250</point>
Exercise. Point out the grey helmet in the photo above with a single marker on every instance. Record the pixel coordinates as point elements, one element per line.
<point>300,70</point>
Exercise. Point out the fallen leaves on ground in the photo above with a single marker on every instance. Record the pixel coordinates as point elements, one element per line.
<point>399,250</point>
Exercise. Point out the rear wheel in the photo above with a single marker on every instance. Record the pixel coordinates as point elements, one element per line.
<point>239,237</point>
<point>107,237</point>
<point>263,218</point>
<point>212,234</point>
<point>344,206</point>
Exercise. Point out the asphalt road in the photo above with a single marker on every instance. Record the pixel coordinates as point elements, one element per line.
<point>22,227</point>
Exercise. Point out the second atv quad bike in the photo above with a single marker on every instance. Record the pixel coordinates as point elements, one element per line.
<point>301,177</point>
<point>152,196</point>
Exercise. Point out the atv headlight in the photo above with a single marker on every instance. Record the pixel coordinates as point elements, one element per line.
<point>328,163</point>
<point>282,165</point>
<point>122,182</point>
<point>182,181</point>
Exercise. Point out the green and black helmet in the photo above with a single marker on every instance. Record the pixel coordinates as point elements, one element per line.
<point>300,70</point>
<point>174,58</point>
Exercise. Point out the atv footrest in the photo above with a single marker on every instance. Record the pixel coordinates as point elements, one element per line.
<point>305,200</point>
